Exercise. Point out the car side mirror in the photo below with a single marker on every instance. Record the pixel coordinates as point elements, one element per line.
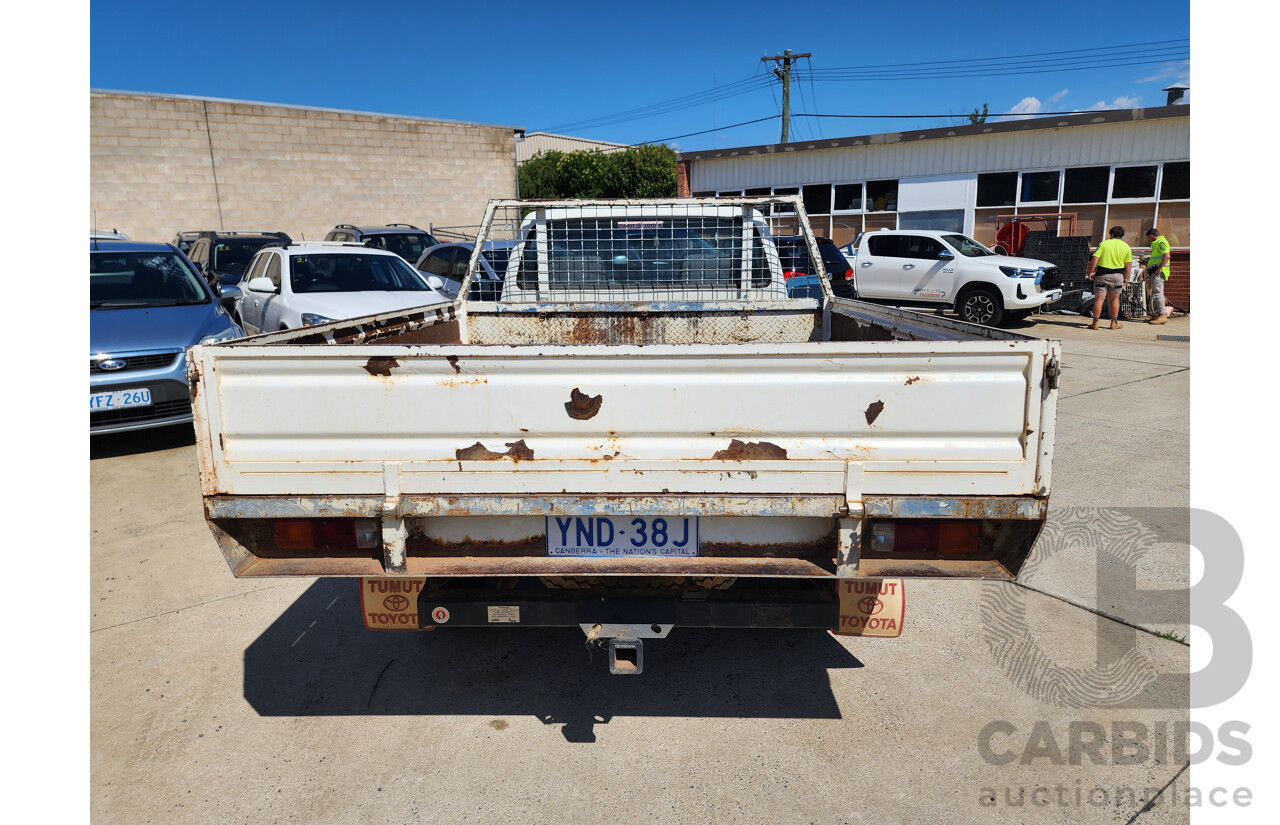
<point>945,255</point>
<point>262,284</point>
<point>435,282</point>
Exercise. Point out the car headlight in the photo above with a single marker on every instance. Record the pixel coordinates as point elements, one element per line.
<point>310,319</point>
<point>1016,272</point>
<point>229,334</point>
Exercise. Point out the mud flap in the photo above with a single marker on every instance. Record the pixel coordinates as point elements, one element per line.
<point>391,603</point>
<point>871,607</point>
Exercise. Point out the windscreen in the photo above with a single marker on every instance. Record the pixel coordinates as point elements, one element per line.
<point>967,246</point>
<point>408,245</point>
<point>127,280</point>
<point>353,273</point>
<point>232,257</point>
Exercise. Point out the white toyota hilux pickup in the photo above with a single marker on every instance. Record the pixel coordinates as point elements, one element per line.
<point>948,269</point>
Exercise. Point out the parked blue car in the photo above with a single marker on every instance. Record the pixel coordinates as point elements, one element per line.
<point>147,304</point>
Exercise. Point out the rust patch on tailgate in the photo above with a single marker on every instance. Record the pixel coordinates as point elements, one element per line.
<point>381,365</point>
<point>873,411</point>
<point>516,451</point>
<point>582,406</point>
<point>747,451</point>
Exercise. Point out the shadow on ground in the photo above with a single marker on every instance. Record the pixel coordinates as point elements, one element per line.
<point>136,442</point>
<point>318,660</point>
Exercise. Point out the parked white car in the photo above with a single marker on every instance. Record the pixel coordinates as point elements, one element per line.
<point>304,284</point>
<point>930,268</point>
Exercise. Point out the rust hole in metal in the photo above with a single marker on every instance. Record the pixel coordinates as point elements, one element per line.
<point>582,406</point>
<point>453,362</point>
<point>746,451</point>
<point>516,451</point>
<point>873,411</point>
<point>381,365</point>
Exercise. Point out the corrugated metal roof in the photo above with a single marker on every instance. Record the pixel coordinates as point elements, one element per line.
<point>535,142</point>
<point>964,150</point>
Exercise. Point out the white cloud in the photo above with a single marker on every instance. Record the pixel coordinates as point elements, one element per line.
<point>1027,107</point>
<point>1179,72</point>
<point>1059,96</point>
<point>1118,103</point>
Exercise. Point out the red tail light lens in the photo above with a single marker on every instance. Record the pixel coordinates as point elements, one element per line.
<point>791,273</point>
<point>925,536</point>
<point>848,274</point>
<point>327,533</point>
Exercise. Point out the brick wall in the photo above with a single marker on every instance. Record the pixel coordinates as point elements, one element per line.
<point>159,165</point>
<point>1177,290</point>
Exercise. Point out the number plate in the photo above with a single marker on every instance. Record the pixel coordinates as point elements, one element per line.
<point>119,399</point>
<point>622,536</point>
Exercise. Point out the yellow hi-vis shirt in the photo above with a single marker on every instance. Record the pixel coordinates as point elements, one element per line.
<point>1113,253</point>
<point>1160,248</point>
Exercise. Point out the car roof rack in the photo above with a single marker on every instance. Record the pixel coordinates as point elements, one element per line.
<point>405,225</point>
<point>347,226</point>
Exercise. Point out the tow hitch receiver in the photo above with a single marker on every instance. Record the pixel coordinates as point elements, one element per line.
<point>626,643</point>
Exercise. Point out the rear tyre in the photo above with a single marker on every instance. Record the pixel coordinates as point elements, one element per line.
<point>981,305</point>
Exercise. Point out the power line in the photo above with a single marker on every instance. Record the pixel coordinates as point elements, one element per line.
<point>1100,57</point>
<point>705,131</point>
<point>1183,40</point>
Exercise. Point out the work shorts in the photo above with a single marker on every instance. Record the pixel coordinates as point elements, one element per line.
<point>1105,283</point>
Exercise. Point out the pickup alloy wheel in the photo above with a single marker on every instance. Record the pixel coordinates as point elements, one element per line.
<point>980,307</point>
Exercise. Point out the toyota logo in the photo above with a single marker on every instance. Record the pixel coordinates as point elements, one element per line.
<point>870,605</point>
<point>112,364</point>
<point>395,603</point>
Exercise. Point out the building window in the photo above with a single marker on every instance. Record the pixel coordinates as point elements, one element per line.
<point>730,193</point>
<point>704,194</point>
<point>998,189</point>
<point>1040,186</point>
<point>784,208</point>
<point>938,220</point>
<point>1088,184</point>
<point>882,196</point>
<point>1176,183</point>
<point>848,197</point>
<point>817,199</point>
<point>1134,182</point>
<point>759,192</point>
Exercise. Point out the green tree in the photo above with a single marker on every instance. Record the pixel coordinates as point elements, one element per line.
<point>647,171</point>
<point>976,117</point>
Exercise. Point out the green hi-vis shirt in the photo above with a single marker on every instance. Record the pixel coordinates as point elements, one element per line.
<point>1113,253</point>
<point>1160,248</point>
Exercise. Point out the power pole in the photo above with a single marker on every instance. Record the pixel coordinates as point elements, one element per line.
<point>784,74</point>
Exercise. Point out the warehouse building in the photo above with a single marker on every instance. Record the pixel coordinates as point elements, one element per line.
<point>1129,168</point>
<point>160,164</point>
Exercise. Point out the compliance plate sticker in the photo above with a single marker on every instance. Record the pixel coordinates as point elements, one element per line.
<point>872,607</point>
<point>390,603</point>
<point>504,614</point>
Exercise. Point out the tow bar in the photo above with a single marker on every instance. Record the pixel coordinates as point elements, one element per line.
<point>626,643</point>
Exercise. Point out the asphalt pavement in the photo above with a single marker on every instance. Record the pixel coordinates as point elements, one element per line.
<point>216,699</point>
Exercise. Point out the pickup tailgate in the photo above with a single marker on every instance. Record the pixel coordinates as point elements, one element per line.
<point>464,451</point>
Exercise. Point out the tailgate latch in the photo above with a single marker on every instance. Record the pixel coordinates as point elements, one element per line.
<point>394,533</point>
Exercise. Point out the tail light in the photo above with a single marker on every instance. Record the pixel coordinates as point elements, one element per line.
<point>925,536</point>
<point>848,274</point>
<point>792,273</point>
<point>327,533</point>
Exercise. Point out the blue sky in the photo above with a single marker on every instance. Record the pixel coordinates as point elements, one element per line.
<point>566,67</point>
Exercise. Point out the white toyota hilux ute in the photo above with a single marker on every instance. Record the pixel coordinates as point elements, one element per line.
<point>638,428</point>
<point>948,269</point>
